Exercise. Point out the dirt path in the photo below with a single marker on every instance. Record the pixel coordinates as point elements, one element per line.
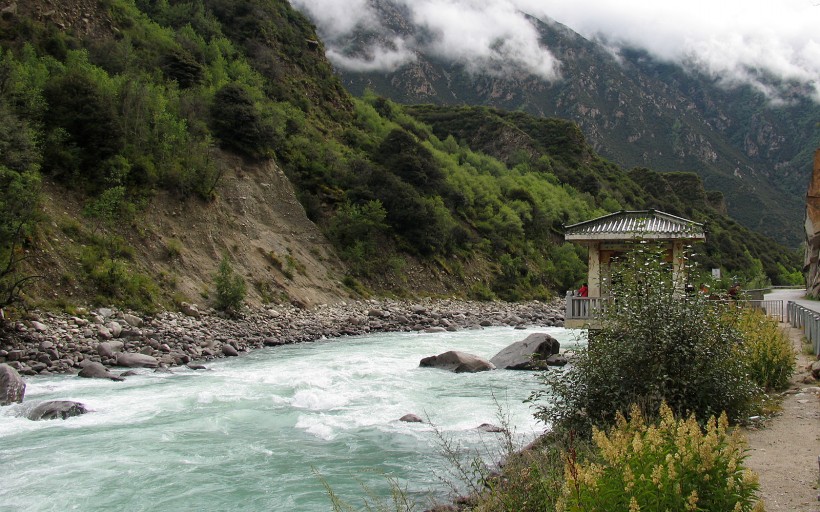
<point>786,451</point>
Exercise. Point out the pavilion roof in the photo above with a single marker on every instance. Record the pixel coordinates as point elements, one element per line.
<point>640,224</point>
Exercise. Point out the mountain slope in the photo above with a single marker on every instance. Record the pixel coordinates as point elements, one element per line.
<point>172,136</point>
<point>635,111</point>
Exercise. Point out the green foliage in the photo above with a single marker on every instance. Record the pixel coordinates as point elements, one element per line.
<point>108,264</point>
<point>239,123</point>
<point>230,288</point>
<point>656,345</point>
<point>766,350</point>
<point>361,233</point>
<point>670,464</point>
<point>19,200</point>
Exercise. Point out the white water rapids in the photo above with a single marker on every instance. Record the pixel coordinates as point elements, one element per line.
<point>252,432</point>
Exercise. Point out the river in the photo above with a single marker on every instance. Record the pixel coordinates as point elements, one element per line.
<point>267,430</point>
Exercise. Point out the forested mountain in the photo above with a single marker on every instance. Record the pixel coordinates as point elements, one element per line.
<point>633,109</point>
<point>141,143</point>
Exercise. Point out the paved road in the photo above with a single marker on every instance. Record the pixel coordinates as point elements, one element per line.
<point>796,295</point>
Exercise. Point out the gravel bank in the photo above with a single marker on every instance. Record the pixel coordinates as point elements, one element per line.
<point>48,343</point>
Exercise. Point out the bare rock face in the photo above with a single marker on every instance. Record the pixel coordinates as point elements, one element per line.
<point>533,352</point>
<point>457,362</point>
<point>12,386</point>
<point>56,409</point>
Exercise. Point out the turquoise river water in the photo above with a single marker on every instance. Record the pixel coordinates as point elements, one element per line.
<point>255,432</point>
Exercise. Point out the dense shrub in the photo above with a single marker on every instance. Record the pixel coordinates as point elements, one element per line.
<point>230,288</point>
<point>668,465</point>
<point>656,345</point>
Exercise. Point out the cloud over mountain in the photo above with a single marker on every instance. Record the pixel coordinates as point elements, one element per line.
<point>734,41</point>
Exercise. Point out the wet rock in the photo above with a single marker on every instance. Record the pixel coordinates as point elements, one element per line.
<point>488,427</point>
<point>457,362</point>
<point>94,370</point>
<point>411,418</point>
<point>12,386</point>
<point>229,351</point>
<point>56,409</point>
<point>528,354</point>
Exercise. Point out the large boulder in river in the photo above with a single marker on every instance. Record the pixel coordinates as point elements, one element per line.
<point>56,409</point>
<point>458,362</point>
<point>136,360</point>
<point>12,386</point>
<point>94,370</point>
<point>528,354</point>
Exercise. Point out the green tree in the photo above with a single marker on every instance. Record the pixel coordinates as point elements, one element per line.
<point>19,200</point>
<point>230,288</point>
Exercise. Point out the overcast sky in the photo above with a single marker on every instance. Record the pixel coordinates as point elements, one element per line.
<point>724,37</point>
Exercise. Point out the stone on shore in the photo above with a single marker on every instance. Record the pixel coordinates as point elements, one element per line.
<point>531,353</point>
<point>457,362</point>
<point>136,360</point>
<point>109,349</point>
<point>56,409</point>
<point>94,370</point>
<point>12,386</point>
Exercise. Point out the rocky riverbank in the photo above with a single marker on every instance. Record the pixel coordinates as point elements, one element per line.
<point>48,343</point>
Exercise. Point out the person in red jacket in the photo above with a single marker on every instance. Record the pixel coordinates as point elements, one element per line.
<point>583,291</point>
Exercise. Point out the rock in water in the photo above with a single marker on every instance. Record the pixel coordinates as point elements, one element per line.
<point>95,370</point>
<point>12,386</point>
<point>56,409</point>
<point>458,362</point>
<point>528,354</point>
<point>411,418</point>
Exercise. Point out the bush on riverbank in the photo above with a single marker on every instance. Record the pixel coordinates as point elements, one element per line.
<point>656,345</point>
<point>667,465</point>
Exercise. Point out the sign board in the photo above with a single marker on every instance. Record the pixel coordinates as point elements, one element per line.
<point>716,273</point>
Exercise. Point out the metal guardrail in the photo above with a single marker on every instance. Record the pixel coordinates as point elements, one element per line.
<point>804,318</point>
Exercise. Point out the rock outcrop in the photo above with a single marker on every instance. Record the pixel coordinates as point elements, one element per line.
<point>811,263</point>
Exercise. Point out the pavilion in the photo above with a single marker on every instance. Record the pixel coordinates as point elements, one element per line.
<point>612,235</point>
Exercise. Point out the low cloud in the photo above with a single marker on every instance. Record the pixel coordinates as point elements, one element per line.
<point>732,40</point>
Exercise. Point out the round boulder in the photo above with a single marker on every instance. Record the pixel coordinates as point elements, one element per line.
<point>12,386</point>
<point>411,418</point>
<point>56,409</point>
<point>457,362</point>
<point>531,353</point>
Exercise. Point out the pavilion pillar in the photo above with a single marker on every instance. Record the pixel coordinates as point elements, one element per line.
<point>594,272</point>
<point>678,265</point>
